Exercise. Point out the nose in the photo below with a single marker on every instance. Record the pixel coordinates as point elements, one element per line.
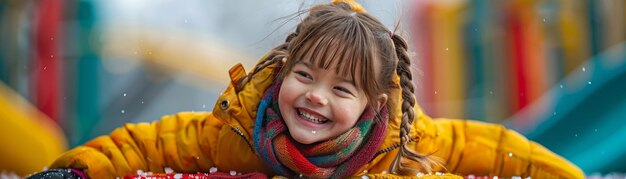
<point>316,98</point>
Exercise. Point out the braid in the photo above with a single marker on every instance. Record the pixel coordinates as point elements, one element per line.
<point>406,83</point>
<point>408,113</point>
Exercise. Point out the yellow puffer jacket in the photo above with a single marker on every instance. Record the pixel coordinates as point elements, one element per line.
<point>195,142</point>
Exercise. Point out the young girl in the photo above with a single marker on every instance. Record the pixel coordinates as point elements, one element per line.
<point>335,100</point>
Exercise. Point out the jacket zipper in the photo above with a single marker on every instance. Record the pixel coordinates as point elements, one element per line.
<point>243,136</point>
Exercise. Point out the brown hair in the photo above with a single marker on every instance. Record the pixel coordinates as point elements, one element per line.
<point>334,35</point>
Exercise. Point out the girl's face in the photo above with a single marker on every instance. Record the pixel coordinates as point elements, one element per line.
<point>317,104</point>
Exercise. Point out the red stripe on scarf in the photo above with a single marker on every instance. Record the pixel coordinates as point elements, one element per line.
<point>328,148</point>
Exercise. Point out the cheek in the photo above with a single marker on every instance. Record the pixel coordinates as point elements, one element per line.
<point>288,93</point>
<point>349,112</point>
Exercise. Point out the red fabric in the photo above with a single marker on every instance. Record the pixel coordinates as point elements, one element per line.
<point>300,160</point>
<point>216,175</point>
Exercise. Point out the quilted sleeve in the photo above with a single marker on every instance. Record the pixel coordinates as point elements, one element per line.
<point>182,142</point>
<point>482,149</point>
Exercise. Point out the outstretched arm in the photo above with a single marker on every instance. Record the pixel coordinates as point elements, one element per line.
<point>173,142</point>
<point>478,148</point>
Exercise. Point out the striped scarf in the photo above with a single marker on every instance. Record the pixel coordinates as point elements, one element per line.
<point>334,158</point>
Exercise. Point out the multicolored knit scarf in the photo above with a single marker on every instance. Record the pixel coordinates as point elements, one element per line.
<point>334,158</point>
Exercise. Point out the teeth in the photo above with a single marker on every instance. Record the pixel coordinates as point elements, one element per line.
<point>311,118</point>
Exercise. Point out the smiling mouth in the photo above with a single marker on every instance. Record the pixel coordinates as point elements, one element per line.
<point>312,117</point>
